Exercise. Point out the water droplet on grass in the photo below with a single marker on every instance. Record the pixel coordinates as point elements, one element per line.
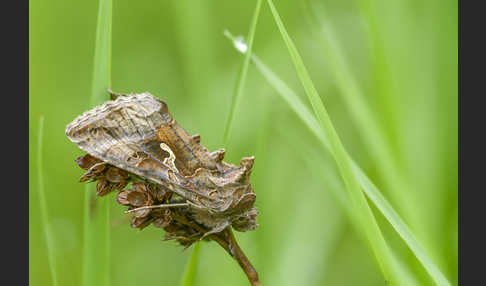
<point>240,44</point>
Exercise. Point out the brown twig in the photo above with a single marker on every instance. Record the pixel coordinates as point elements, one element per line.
<point>226,239</point>
<point>229,243</point>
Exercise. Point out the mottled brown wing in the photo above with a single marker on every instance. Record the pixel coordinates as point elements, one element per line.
<point>136,133</point>
<point>127,132</point>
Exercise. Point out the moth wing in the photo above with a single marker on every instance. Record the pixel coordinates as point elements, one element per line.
<point>127,132</point>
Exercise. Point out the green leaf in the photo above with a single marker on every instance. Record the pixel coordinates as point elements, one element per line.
<point>43,206</point>
<point>96,243</point>
<point>241,78</point>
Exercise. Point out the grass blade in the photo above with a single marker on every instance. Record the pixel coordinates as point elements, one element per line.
<point>372,230</point>
<point>191,267</point>
<point>241,78</point>
<point>369,188</point>
<point>43,206</point>
<point>96,247</point>
<point>400,226</point>
<point>102,56</point>
<point>374,138</point>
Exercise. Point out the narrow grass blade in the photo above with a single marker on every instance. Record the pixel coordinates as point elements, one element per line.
<point>191,267</point>
<point>43,206</point>
<point>96,247</point>
<point>372,134</point>
<point>241,78</point>
<point>102,55</point>
<point>369,224</point>
<point>369,188</point>
<point>400,226</point>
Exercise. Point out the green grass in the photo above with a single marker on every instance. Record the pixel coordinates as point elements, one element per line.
<point>241,77</point>
<point>374,138</point>
<point>96,243</point>
<point>368,187</point>
<point>191,267</point>
<point>51,257</point>
<point>387,76</point>
<point>371,132</point>
<point>372,230</point>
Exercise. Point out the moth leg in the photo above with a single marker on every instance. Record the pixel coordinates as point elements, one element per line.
<point>161,206</point>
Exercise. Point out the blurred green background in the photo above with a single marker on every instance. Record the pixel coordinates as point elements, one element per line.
<point>403,58</point>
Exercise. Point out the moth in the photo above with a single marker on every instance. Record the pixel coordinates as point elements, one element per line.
<point>135,136</point>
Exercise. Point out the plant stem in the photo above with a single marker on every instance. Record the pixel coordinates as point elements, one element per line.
<point>230,244</point>
<point>228,241</point>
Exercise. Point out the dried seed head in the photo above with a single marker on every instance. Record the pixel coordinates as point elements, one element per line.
<point>192,194</point>
<point>109,177</point>
<point>87,161</point>
<point>205,194</point>
<point>103,187</point>
<point>120,186</point>
<point>122,198</point>
<point>140,186</point>
<point>116,175</point>
<point>93,172</point>
<point>142,213</point>
<point>164,220</point>
<point>140,222</point>
<point>137,198</point>
<point>158,192</point>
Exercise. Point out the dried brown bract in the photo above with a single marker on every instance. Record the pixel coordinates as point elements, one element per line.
<point>177,184</point>
<point>108,177</point>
